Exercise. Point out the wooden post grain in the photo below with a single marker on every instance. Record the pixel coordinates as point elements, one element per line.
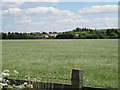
<point>77,79</point>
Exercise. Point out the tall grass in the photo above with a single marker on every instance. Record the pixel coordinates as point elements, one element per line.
<point>98,59</point>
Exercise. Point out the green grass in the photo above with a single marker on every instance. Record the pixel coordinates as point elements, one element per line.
<point>98,59</point>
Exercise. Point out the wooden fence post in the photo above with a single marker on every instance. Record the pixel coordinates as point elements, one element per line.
<point>77,79</point>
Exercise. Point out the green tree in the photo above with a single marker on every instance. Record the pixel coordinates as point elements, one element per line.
<point>83,35</point>
<point>4,36</point>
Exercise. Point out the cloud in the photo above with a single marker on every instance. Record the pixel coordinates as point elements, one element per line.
<point>72,21</point>
<point>43,18</point>
<point>99,9</point>
<point>14,11</point>
<point>24,19</point>
<point>47,11</point>
<point>107,19</point>
<point>41,10</point>
<point>106,22</point>
<point>61,25</point>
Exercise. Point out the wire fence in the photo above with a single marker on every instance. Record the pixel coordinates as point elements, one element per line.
<point>28,76</point>
<point>41,79</point>
<point>52,80</point>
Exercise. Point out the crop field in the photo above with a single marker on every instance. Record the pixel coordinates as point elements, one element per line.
<point>98,58</point>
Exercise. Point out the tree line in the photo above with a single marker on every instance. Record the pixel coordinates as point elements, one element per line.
<point>78,33</point>
<point>85,33</point>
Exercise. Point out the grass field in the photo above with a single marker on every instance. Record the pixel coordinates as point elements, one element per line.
<point>98,58</point>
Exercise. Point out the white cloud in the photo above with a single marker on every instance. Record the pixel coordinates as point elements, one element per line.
<point>103,22</point>
<point>48,10</point>
<point>72,21</point>
<point>99,9</point>
<point>12,11</point>
<point>63,25</point>
<point>53,19</point>
<point>43,18</point>
<point>107,19</point>
<point>41,10</point>
<point>90,23</point>
<point>24,19</point>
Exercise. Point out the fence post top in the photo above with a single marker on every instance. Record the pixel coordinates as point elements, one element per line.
<point>77,69</point>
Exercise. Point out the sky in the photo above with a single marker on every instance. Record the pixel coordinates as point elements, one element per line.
<point>57,16</point>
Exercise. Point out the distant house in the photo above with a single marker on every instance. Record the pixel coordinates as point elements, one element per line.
<point>52,35</point>
<point>46,37</point>
<point>77,35</point>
